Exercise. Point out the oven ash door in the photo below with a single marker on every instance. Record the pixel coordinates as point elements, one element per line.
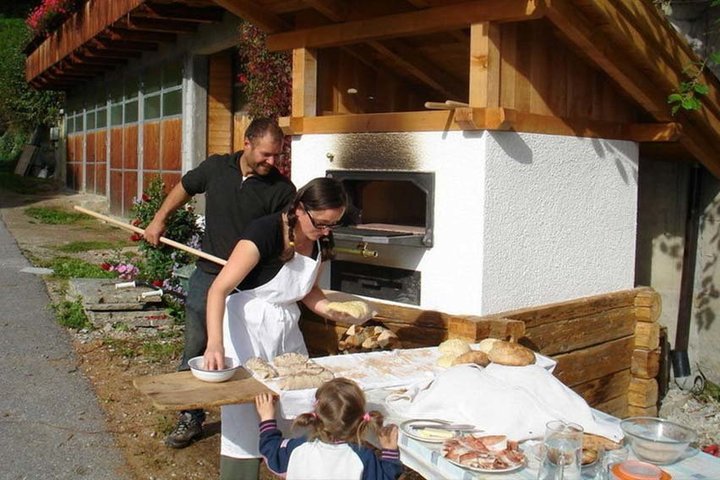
<point>387,207</point>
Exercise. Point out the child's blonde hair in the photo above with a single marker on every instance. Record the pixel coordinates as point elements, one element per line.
<point>339,414</point>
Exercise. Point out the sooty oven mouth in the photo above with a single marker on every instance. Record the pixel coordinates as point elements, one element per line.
<point>388,207</point>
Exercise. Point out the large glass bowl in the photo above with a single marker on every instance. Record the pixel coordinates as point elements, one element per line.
<point>657,440</point>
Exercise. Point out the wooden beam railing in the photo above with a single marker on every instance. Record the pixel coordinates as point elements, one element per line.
<point>468,118</point>
<point>430,20</point>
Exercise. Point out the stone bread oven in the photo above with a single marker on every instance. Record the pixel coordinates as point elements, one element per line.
<point>485,221</point>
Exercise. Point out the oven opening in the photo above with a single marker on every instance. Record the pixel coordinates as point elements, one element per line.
<point>388,207</point>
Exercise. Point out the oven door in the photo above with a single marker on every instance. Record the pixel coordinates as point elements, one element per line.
<point>387,207</point>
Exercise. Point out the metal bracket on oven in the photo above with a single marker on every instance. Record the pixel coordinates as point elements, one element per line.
<point>361,249</point>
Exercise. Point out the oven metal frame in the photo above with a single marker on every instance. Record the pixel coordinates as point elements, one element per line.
<point>425,181</point>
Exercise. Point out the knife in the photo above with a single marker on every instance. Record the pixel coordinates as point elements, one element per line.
<point>444,426</point>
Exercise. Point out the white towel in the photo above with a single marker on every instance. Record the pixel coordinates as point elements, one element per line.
<point>514,401</point>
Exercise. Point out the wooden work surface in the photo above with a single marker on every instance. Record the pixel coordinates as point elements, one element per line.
<point>182,391</point>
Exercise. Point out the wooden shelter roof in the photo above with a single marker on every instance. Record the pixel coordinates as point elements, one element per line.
<point>635,47</point>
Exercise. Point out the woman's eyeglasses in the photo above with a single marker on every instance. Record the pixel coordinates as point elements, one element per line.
<point>320,226</point>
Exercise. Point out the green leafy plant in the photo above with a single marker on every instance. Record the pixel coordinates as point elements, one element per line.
<point>160,262</point>
<point>66,267</point>
<point>82,246</point>
<point>53,216</point>
<point>71,314</point>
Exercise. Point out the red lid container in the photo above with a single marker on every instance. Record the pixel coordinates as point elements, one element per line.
<point>635,470</point>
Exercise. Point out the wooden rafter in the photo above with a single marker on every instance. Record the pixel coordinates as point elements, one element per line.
<point>437,19</point>
<point>91,51</point>
<point>126,34</point>
<point>124,45</point>
<point>180,12</point>
<point>254,13</point>
<point>335,11</point>
<point>79,59</point>
<point>414,64</point>
<point>648,79</point>
<point>157,25</point>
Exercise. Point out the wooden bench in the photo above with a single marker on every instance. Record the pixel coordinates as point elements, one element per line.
<point>606,346</point>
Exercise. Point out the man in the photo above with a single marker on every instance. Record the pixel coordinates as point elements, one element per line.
<point>238,188</point>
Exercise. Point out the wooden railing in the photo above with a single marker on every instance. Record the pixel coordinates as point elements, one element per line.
<point>81,27</point>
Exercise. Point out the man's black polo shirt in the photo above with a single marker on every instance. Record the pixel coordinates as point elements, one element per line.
<point>231,203</point>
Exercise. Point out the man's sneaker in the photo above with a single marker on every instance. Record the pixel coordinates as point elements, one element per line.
<point>188,429</point>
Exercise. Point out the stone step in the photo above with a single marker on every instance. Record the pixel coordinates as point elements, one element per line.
<point>100,294</point>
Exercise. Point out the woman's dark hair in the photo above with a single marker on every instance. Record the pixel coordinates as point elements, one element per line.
<point>318,194</point>
<point>339,414</point>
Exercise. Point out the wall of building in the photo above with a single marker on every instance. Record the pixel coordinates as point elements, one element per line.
<point>662,211</point>
<point>520,219</point>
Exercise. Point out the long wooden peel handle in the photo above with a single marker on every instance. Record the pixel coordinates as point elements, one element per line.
<point>166,241</point>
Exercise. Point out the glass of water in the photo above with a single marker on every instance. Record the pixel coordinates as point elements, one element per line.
<point>562,459</point>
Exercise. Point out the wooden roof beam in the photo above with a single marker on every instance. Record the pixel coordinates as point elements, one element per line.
<point>252,12</point>
<point>180,12</point>
<point>335,11</point>
<point>420,68</point>
<point>95,52</point>
<point>123,45</point>
<point>126,34</point>
<point>80,59</point>
<point>430,20</point>
<point>157,25</point>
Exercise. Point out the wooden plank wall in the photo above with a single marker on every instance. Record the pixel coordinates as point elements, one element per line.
<point>605,346</point>
<point>220,115</point>
<point>377,89</point>
<point>540,75</point>
<point>75,171</point>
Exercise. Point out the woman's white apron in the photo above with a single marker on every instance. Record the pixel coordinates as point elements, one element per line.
<point>262,322</point>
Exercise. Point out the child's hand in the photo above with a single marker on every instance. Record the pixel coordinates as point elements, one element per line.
<point>388,437</point>
<point>265,405</point>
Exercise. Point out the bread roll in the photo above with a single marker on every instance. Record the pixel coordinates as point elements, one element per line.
<point>302,381</point>
<point>289,359</point>
<point>473,356</point>
<point>260,368</point>
<point>454,346</point>
<point>594,442</point>
<point>511,354</point>
<point>487,344</point>
<point>355,309</point>
<point>446,360</point>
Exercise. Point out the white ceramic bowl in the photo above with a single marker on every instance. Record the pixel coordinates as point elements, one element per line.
<point>215,376</point>
<point>656,440</point>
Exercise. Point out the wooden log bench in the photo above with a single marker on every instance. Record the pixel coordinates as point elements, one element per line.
<point>606,346</point>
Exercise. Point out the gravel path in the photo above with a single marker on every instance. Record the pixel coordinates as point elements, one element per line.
<point>682,407</point>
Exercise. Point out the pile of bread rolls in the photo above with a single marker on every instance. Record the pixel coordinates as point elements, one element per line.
<point>367,339</point>
<point>456,351</point>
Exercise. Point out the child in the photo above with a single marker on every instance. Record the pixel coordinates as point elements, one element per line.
<point>333,448</point>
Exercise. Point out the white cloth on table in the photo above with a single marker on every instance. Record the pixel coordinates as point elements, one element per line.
<point>514,401</point>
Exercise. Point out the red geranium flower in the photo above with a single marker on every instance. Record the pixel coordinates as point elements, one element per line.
<point>136,237</point>
<point>145,197</point>
<point>105,266</point>
<point>157,283</point>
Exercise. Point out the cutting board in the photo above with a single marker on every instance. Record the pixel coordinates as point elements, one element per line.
<point>182,391</point>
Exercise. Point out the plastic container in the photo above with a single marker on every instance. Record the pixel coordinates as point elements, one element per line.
<point>656,440</point>
<point>636,470</point>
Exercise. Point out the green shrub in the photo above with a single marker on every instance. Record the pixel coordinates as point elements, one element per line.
<point>11,146</point>
<point>76,247</point>
<point>54,216</point>
<point>71,314</point>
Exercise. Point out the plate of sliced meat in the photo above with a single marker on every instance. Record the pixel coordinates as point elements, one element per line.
<point>484,453</point>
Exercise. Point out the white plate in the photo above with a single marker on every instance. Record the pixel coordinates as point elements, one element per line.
<point>491,470</point>
<point>486,470</point>
<point>407,429</point>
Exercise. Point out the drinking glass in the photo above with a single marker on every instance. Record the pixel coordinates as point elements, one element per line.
<point>563,451</point>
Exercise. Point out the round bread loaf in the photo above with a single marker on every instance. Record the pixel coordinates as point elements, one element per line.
<point>487,344</point>
<point>446,361</point>
<point>473,356</point>
<point>511,354</point>
<point>454,347</point>
<point>356,309</point>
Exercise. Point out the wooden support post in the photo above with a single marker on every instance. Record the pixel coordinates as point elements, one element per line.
<point>643,392</point>
<point>645,363</point>
<point>304,83</point>
<point>484,65</point>
<point>648,305</point>
<point>633,411</point>
<point>647,335</point>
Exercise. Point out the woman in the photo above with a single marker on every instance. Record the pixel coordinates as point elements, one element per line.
<point>273,266</point>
